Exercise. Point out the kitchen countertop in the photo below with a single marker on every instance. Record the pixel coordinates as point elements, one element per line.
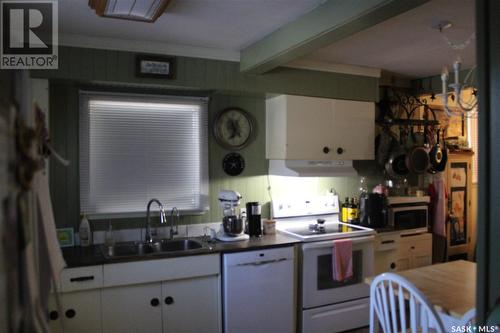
<point>78,256</point>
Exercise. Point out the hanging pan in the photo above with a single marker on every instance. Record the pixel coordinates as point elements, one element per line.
<point>417,159</point>
<point>396,165</point>
<point>444,159</point>
<point>436,153</point>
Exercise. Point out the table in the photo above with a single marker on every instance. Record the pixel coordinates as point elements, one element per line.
<point>450,287</point>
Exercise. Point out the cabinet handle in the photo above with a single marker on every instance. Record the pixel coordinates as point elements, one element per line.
<point>413,247</point>
<point>155,302</point>
<point>81,278</point>
<point>393,265</point>
<point>326,150</point>
<point>387,241</point>
<point>70,313</point>
<point>169,300</point>
<point>53,315</point>
<point>340,150</point>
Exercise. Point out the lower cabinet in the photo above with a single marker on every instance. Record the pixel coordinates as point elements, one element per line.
<point>398,252</point>
<point>80,311</point>
<point>414,251</point>
<point>176,295</point>
<point>185,305</point>
<point>134,308</point>
<point>191,305</point>
<point>77,306</point>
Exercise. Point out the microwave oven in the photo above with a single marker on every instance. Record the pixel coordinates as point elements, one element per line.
<point>408,213</point>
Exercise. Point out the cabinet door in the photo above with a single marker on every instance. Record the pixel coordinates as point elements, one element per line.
<point>191,305</point>
<point>404,256</point>
<point>422,252</point>
<point>353,130</point>
<point>385,261</point>
<point>309,128</point>
<point>135,308</point>
<point>55,315</point>
<point>82,311</point>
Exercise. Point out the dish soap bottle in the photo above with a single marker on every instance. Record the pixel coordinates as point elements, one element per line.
<point>84,232</point>
<point>109,238</point>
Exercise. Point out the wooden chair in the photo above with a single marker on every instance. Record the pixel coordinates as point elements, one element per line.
<point>392,299</point>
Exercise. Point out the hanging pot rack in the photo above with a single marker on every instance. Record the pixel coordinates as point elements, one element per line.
<point>399,108</point>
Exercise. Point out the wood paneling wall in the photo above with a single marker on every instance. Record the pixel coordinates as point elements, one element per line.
<point>220,80</point>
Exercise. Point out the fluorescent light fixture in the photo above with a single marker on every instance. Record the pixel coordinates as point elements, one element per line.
<point>144,10</point>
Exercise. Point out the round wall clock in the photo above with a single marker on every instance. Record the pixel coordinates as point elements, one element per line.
<point>233,164</point>
<point>233,128</point>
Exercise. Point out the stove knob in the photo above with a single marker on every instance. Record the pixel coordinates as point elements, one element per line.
<point>320,221</point>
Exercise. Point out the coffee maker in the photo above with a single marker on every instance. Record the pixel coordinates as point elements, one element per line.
<point>373,210</point>
<point>254,212</point>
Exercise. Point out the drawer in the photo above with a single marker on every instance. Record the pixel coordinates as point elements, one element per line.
<point>81,278</point>
<point>387,242</point>
<point>337,317</point>
<point>147,271</point>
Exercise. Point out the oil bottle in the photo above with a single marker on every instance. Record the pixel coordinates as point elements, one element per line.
<point>343,210</point>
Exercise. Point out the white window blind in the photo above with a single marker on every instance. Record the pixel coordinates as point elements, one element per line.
<point>137,147</point>
<point>473,143</point>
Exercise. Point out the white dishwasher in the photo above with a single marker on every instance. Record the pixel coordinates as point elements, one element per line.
<point>259,291</point>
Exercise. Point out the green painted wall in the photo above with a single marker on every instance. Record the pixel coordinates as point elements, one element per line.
<point>118,67</point>
<point>253,183</point>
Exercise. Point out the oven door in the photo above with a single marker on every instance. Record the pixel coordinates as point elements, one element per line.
<point>318,286</point>
<point>409,217</point>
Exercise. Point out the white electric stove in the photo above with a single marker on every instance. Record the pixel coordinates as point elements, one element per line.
<point>314,219</point>
<point>327,305</point>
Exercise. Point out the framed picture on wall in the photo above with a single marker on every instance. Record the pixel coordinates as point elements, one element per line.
<point>66,237</point>
<point>153,66</point>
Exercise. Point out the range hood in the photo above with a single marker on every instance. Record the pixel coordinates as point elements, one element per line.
<point>302,168</point>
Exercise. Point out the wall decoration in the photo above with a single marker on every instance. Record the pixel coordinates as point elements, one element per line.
<point>233,128</point>
<point>458,204</point>
<point>155,67</point>
<point>66,237</point>
<point>458,177</point>
<point>233,164</point>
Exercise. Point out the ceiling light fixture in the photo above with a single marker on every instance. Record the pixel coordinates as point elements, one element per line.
<point>463,106</point>
<point>144,10</point>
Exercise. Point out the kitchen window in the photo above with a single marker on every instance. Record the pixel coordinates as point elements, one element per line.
<point>137,147</point>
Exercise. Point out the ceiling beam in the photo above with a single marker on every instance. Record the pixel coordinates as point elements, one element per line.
<point>330,22</point>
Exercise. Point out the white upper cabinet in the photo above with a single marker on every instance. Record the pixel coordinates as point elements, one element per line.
<point>310,128</point>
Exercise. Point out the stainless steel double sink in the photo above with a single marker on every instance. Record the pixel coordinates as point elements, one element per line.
<point>141,249</point>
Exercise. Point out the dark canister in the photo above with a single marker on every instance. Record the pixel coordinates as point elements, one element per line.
<point>373,210</point>
<point>254,219</point>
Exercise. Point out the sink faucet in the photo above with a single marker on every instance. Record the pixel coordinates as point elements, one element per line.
<point>177,215</point>
<point>163,219</point>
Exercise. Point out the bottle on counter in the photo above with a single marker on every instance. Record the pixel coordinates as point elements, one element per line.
<point>355,211</point>
<point>350,210</point>
<point>84,232</point>
<point>343,211</point>
<point>109,237</point>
